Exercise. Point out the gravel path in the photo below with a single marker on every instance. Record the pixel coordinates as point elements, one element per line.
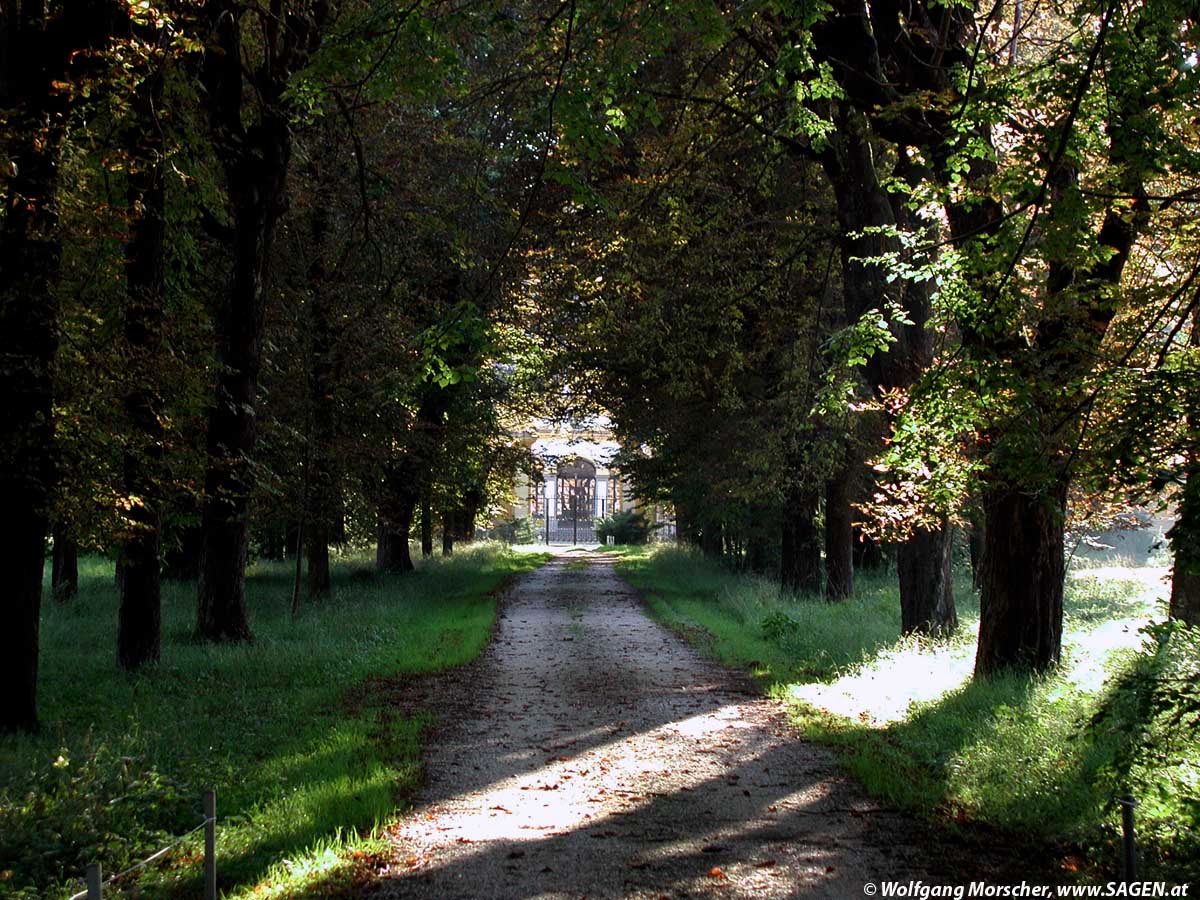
<point>592,753</point>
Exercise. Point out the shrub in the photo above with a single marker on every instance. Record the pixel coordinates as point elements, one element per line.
<point>1147,728</point>
<point>516,531</point>
<point>87,803</point>
<point>624,528</point>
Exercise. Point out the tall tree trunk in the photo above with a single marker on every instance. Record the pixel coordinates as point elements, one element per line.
<point>879,65</point>
<point>337,515</point>
<point>393,554</point>
<point>866,212</point>
<point>712,540</point>
<point>800,556</point>
<point>317,550</point>
<point>255,159</point>
<point>426,529</point>
<point>462,518</point>
<point>1185,545</point>
<point>757,553</point>
<point>38,51</point>
<point>1185,589</point>
<point>30,265</point>
<point>1021,587</point>
<point>64,565</point>
<point>684,531</point>
<point>1185,533</point>
<point>1021,604</point>
<point>320,495</point>
<point>256,192</point>
<point>382,537</point>
<point>139,619</point>
<point>401,495</point>
<point>975,542</point>
<point>869,553</point>
<point>447,534</point>
<point>926,594</point>
<point>391,547</point>
<point>298,567</point>
<point>839,535</point>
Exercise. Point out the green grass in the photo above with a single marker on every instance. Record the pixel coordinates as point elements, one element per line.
<point>745,621</point>
<point>1042,759</point>
<point>295,731</point>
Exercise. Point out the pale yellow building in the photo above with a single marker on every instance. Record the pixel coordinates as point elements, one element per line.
<point>578,485</point>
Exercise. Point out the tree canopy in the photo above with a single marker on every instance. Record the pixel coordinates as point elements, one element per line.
<point>849,280</point>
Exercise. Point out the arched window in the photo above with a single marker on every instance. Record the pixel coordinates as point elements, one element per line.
<point>576,499</point>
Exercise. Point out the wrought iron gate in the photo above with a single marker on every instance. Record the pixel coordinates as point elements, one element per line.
<point>575,503</point>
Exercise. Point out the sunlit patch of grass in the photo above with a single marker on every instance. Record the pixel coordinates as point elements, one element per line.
<point>628,549</point>
<point>1097,594</point>
<point>886,686</point>
<point>1016,752</point>
<point>749,622</point>
<point>297,750</point>
<point>332,866</point>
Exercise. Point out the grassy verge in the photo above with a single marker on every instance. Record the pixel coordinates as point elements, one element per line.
<point>305,762</point>
<point>1042,759</point>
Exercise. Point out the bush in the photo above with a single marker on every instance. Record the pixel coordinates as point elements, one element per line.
<point>624,528</point>
<point>515,531</point>
<point>89,802</point>
<point>1146,729</point>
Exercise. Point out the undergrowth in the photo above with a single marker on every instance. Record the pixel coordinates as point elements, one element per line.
<point>1041,758</point>
<point>305,760</point>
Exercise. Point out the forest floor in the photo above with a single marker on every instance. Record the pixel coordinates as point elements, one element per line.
<point>591,752</point>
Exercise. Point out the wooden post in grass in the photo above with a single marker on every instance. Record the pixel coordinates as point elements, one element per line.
<point>210,845</point>
<point>1129,848</point>
<point>94,887</point>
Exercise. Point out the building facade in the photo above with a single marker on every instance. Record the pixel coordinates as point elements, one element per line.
<point>578,483</point>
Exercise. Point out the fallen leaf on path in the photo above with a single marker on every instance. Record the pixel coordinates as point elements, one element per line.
<point>717,872</point>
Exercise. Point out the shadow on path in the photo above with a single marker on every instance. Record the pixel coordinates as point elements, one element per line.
<point>592,753</point>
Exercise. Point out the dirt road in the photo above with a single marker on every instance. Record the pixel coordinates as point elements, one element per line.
<point>592,753</point>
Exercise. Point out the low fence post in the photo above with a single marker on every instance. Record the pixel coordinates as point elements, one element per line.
<point>1129,848</point>
<point>94,882</point>
<point>210,845</point>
